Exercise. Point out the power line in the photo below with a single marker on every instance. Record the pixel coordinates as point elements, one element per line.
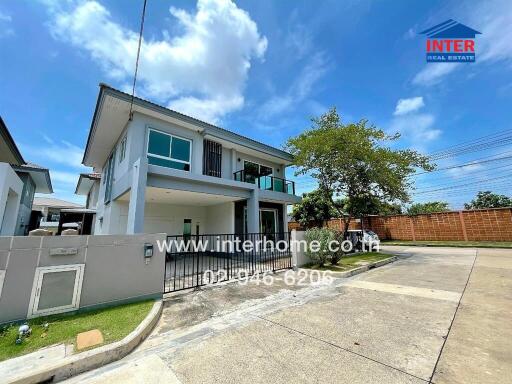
<point>451,148</point>
<point>474,162</point>
<point>463,185</point>
<point>137,59</point>
<point>475,148</point>
<point>465,191</point>
<point>479,172</point>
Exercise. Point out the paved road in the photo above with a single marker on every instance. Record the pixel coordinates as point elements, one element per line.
<point>436,315</point>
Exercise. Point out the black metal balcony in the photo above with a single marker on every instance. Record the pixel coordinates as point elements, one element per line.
<point>266,182</point>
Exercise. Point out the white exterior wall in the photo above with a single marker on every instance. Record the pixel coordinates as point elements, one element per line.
<point>93,193</point>
<point>113,218</point>
<point>167,218</point>
<point>220,218</point>
<point>11,188</point>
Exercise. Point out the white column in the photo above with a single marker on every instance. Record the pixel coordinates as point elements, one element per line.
<point>253,212</point>
<point>135,222</point>
<point>285,217</point>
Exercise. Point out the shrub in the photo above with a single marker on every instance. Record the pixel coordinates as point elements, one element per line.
<point>322,237</point>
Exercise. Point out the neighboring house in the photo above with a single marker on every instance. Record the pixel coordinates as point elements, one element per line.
<point>89,185</point>
<point>162,171</point>
<point>19,181</point>
<point>46,212</point>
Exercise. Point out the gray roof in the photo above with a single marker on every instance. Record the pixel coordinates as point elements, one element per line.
<point>8,146</point>
<point>209,128</point>
<point>54,203</point>
<point>40,175</point>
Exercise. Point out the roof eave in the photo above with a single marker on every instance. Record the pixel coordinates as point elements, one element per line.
<point>104,88</point>
<point>11,143</point>
<point>45,171</point>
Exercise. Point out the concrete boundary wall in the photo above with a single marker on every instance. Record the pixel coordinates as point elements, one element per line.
<point>114,269</point>
<point>476,225</point>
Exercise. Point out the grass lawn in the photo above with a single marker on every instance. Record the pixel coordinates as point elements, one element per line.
<point>114,323</point>
<point>451,243</point>
<point>351,261</point>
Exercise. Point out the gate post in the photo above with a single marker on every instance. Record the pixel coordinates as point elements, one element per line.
<point>294,250</point>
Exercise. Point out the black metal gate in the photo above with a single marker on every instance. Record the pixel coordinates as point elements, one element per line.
<point>197,260</point>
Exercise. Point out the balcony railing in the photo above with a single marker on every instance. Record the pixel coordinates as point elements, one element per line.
<point>267,182</point>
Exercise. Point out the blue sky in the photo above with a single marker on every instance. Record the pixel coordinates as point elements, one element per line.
<point>260,68</point>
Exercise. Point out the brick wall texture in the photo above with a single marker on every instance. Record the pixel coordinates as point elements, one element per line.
<point>478,225</point>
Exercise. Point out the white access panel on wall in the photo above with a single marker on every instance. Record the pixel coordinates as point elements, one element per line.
<point>56,289</point>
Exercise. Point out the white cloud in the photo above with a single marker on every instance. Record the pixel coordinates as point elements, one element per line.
<point>433,73</point>
<point>300,89</point>
<point>202,71</point>
<point>418,129</point>
<point>62,177</point>
<point>494,20</point>
<point>5,22</point>
<point>405,106</point>
<point>5,17</point>
<point>63,153</point>
<point>461,172</point>
<point>51,152</point>
<point>299,39</point>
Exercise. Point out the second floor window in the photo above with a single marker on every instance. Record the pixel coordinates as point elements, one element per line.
<point>122,150</point>
<point>109,177</point>
<point>168,150</point>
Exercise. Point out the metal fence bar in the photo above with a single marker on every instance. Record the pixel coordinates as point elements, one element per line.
<point>190,258</point>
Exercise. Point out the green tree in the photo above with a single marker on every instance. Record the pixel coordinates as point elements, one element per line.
<point>313,210</point>
<point>487,199</point>
<point>430,207</point>
<point>351,160</point>
<point>388,209</point>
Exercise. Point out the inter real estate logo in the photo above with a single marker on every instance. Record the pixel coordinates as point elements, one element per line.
<point>450,42</point>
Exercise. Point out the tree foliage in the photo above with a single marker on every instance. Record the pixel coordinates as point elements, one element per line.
<point>429,207</point>
<point>487,199</point>
<point>313,210</point>
<point>353,161</point>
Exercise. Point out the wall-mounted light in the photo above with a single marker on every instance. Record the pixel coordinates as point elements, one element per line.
<point>239,159</point>
<point>148,250</point>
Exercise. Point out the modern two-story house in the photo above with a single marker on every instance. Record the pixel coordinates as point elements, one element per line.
<point>162,171</point>
<point>19,181</point>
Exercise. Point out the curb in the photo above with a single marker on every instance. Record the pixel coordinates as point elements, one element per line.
<point>358,270</point>
<point>86,361</point>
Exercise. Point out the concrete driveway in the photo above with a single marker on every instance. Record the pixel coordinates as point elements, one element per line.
<point>401,323</point>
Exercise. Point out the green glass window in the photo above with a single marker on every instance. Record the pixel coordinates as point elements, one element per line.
<point>168,163</point>
<point>168,151</point>
<point>159,143</point>
<point>180,149</point>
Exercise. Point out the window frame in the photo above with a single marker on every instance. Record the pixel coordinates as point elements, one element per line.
<point>122,149</point>
<point>148,154</point>
<point>109,177</point>
<point>259,166</point>
<point>35,295</point>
